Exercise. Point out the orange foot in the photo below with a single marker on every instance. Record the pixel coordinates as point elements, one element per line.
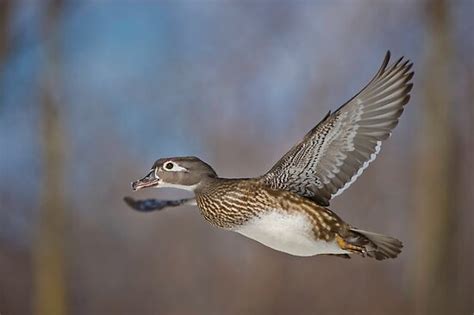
<point>350,247</point>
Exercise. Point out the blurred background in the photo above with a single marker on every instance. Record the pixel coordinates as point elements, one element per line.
<point>91,93</point>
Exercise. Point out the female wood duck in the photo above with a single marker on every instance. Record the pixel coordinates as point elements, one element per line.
<point>285,209</point>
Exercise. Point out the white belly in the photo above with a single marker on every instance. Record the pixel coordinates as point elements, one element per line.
<point>289,233</point>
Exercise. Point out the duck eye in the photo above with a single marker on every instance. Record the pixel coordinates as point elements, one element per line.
<point>169,165</point>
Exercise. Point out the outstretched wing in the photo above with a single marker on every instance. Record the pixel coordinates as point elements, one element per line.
<point>335,152</point>
<point>148,205</point>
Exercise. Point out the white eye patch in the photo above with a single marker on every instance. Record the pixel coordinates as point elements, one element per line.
<point>173,167</point>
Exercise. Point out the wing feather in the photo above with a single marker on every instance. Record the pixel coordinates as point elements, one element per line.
<point>337,150</point>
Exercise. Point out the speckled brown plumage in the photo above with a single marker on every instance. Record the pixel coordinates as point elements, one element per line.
<point>228,203</point>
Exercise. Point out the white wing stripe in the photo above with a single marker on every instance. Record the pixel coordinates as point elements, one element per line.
<point>360,171</point>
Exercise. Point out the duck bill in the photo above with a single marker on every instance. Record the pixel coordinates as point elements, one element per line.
<point>150,180</point>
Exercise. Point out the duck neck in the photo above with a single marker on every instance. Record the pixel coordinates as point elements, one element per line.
<point>207,184</point>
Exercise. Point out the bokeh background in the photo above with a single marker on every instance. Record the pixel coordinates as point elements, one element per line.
<point>92,92</point>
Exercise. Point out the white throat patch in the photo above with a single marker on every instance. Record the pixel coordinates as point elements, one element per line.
<point>177,186</point>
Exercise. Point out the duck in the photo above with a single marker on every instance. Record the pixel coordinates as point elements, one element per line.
<point>287,208</point>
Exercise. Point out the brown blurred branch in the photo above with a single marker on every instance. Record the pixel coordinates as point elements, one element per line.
<point>436,171</point>
<point>5,12</point>
<point>49,260</point>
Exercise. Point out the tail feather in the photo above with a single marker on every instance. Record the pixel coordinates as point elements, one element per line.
<point>377,246</point>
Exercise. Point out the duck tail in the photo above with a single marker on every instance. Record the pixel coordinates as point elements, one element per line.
<point>377,246</point>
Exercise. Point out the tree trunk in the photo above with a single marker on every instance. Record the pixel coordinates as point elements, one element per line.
<point>5,8</point>
<point>49,252</point>
<point>436,171</point>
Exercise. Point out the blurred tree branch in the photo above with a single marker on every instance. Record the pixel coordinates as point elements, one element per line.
<point>436,170</point>
<point>49,256</point>
<point>5,40</point>
<point>5,12</point>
